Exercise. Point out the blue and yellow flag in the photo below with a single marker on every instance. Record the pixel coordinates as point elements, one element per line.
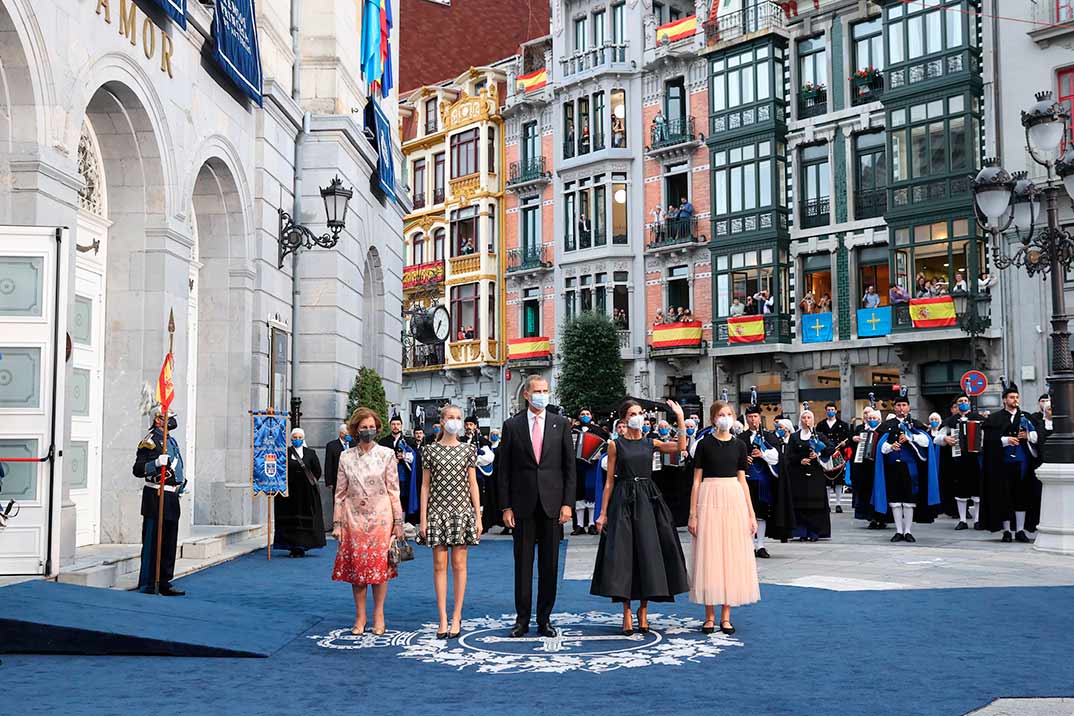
<point>874,321</point>
<point>816,327</point>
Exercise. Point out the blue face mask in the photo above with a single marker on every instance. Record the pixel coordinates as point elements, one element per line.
<point>297,442</point>
<point>663,431</point>
<point>964,407</point>
<point>585,419</point>
<point>690,431</point>
<point>831,413</point>
<point>874,423</point>
<point>934,423</point>
<point>645,428</point>
<point>436,430</point>
<point>781,432</point>
<point>346,438</point>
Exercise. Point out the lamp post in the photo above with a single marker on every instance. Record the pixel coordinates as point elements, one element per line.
<point>1008,202</point>
<point>294,236</point>
<point>971,320</point>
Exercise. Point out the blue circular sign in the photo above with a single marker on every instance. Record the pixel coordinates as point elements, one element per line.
<point>973,382</point>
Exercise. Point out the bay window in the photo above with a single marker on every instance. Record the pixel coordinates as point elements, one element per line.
<point>464,231</point>
<point>464,315</point>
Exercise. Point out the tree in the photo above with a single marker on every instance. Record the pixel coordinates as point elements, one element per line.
<point>368,391</point>
<point>591,371</point>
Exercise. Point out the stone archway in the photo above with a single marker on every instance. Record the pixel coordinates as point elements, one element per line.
<point>19,106</point>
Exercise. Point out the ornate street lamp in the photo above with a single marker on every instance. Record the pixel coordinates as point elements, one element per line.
<point>294,236</point>
<point>1005,202</point>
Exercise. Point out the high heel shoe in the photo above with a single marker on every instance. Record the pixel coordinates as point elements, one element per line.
<point>356,631</point>
<point>643,622</point>
<point>442,635</point>
<point>454,634</point>
<point>380,632</point>
<point>628,630</point>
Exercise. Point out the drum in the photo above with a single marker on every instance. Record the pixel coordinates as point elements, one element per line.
<point>588,446</point>
<point>833,467</point>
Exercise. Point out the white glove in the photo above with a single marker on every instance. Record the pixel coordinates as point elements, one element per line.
<point>175,463</point>
<point>408,457</point>
<point>486,457</point>
<point>162,460</point>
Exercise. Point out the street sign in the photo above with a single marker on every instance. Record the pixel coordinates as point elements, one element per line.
<point>973,382</point>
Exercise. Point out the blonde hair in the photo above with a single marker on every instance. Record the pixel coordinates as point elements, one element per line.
<point>445,408</point>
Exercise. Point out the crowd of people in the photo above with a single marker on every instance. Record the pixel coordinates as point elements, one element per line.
<point>634,478</point>
<point>674,314</point>
<point>672,223</point>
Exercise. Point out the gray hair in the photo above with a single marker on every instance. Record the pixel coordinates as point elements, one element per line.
<point>532,378</point>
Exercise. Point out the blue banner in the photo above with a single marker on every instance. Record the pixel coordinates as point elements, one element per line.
<point>874,321</point>
<point>378,123</point>
<point>816,327</point>
<point>237,53</point>
<point>176,10</point>
<point>270,453</point>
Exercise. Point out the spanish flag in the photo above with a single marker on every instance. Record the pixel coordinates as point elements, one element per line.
<point>932,312</point>
<point>745,329</point>
<point>165,392</point>
<point>535,347</point>
<point>533,81</point>
<point>677,30</point>
<point>677,335</point>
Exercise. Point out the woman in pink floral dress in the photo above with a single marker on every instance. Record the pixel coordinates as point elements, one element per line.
<point>367,516</point>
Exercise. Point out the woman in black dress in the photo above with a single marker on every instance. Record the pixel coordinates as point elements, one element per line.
<point>299,520</point>
<point>640,556</point>
<point>809,486</point>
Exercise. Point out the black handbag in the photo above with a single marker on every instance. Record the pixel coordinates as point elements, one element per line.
<point>399,551</point>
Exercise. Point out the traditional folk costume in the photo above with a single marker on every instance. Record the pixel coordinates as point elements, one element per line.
<point>809,485</point>
<point>837,433</point>
<point>589,474</point>
<point>960,467</point>
<point>299,519</point>
<point>146,467</point>
<point>861,469</point>
<point>407,465</point>
<point>762,478</point>
<point>905,479</point>
<point>486,480</point>
<point>1010,485</point>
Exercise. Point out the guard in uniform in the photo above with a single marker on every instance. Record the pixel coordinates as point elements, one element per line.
<point>147,465</point>
<point>837,433</point>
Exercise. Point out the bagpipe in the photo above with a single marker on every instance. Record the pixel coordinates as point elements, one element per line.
<point>835,464</point>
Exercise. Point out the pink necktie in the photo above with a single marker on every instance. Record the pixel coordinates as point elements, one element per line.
<point>537,437</point>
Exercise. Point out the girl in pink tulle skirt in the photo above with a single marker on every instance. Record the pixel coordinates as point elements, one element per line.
<point>723,524</point>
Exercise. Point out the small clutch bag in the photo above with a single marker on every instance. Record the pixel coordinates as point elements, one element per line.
<point>399,551</point>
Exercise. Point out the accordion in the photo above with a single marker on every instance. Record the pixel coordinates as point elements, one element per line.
<point>588,446</point>
<point>866,449</point>
<point>970,438</point>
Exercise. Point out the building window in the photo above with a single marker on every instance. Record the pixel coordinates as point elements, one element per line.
<point>675,105</point>
<point>620,217</point>
<point>438,245</point>
<point>430,115</point>
<point>531,238</point>
<point>659,13</point>
<point>871,176</point>
<point>464,153</point>
<point>600,213</point>
<point>618,32</point>
<point>598,121</point>
<point>744,275</point>
<point>464,231</point>
<point>570,217</point>
<point>490,299</point>
<point>570,298</point>
<point>742,179</point>
<point>816,204</point>
<point>585,206</point>
<point>927,256</point>
<point>568,130</point>
<point>581,33</point>
<point>419,183</point>
<point>583,125</point>
<point>1064,10</point>
<point>417,248</point>
<point>619,127</point>
<point>1065,81</point>
<point>438,178</point>
<point>464,312</point>
<point>493,230</point>
<point>873,270</point>
<point>869,45</point>
<point>812,77</point>
<point>531,147</point>
<point>815,287</point>
<point>933,138</point>
<point>491,149</point>
<point>678,288</point>
<point>743,78</point>
<point>621,300</point>
<point>916,30</point>
<point>531,312</point>
<point>599,28</point>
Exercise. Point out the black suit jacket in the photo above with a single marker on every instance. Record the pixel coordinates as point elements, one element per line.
<point>332,451</point>
<point>522,482</point>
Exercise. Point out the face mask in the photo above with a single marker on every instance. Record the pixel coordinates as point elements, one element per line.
<point>663,432</point>
<point>297,442</point>
<point>494,438</point>
<point>453,427</point>
<point>346,438</point>
<point>1044,405</point>
<point>436,430</point>
<point>368,435</point>
<point>539,400</point>
<point>934,423</point>
<point>724,422</point>
<point>874,423</point>
<point>636,422</point>
<point>646,428</point>
<point>781,432</point>
<point>690,431</point>
<point>831,413</point>
<point>585,419</point>
<point>964,407</point>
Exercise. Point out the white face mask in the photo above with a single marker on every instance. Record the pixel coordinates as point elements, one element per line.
<point>635,422</point>
<point>453,427</point>
<point>539,400</point>
<point>724,422</point>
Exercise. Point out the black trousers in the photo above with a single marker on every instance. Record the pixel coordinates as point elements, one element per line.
<point>543,532</point>
<point>147,572</point>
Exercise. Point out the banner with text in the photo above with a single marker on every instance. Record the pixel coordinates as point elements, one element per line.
<point>237,52</point>
<point>176,10</point>
<point>269,442</point>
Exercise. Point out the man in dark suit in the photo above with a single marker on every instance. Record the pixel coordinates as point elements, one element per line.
<point>332,451</point>
<point>536,484</point>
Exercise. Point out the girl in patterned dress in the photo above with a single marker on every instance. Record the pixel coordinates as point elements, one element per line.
<point>450,512</point>
<point>367,517</point>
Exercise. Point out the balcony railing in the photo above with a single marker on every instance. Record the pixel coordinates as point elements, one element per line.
<point>438,195</point>
<point>812,102</point>
<point>672,232</point>
<point>419,201</point>
<point>756,18</point>
<point>592,59</point>
<point>816,212</point>
<point>777,329</point>
<point>901,320</point>
<point>870,203</point>
<point>529,258</point>
<point>527,170</point>
<point>418,356</point>
<point>670,132</point>
<point>866,88</point>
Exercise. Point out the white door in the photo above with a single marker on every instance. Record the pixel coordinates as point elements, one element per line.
<point>33,327</point>
<point>82,455</point>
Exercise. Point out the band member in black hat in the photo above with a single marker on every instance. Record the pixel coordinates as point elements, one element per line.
<point>903,480</point>
<point>837,433</point>
<point>762,474</point>
<point>149,461</point>
<point>1011,457</point>
<point>588,472</point>
<point>960,464</point>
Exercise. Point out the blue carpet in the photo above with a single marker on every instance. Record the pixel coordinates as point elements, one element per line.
<point>799,651</point>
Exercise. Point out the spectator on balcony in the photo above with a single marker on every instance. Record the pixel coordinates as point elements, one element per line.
<point>467,247</point>
<point>469,333</point>
<point>686,214</point>
<point>871,299</point>
<point>660,128</point>
<point>765,302</point>
<point>920,287</point>
<point>585,231</point>
<point>659,319</point>
<point>960,283</point>
<point>584,142</point>
<point>737,308</point>
<point>750,308</point>
<point>672,315</point>
<point>928,290</point>
<point>620,319</point>
<point>825,304</point>
<point>618,132</point>
<point>896,294</point>
<point>687,315</point>
<point>808,304</point>
<point>985,282</point>
<point>660,218</point>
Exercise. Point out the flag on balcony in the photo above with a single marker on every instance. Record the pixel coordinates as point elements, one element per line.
<point>816,327</point>
<point>745,329</point>
<point>533,81</point>
<point>874,322</point>
<point>677,30</point>
<point>533,347</point>
<point>677,335</point>
<point>932,312</point>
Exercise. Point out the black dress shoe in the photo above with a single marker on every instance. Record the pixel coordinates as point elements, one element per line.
<point>1020,536</point>
<point>979,526</point>
<point>442,635</point>
<point>577,531</point>
<point>783,540</point>
<point>297,553</point>
<point>629,632</point>
<point>908,538</point>
<point>961,526</point>
<point>838,509</point>
<point>592,530</point>
<point>705,629</point>
<point>454,635</point>
<point>519,630</point>
<point>506,531</point>
<point>547,630</point>
<point>762,553</point>
<point>897,537</point>
<point>1007,537</point>
<point>729,629</point>
<point>170,591</point>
